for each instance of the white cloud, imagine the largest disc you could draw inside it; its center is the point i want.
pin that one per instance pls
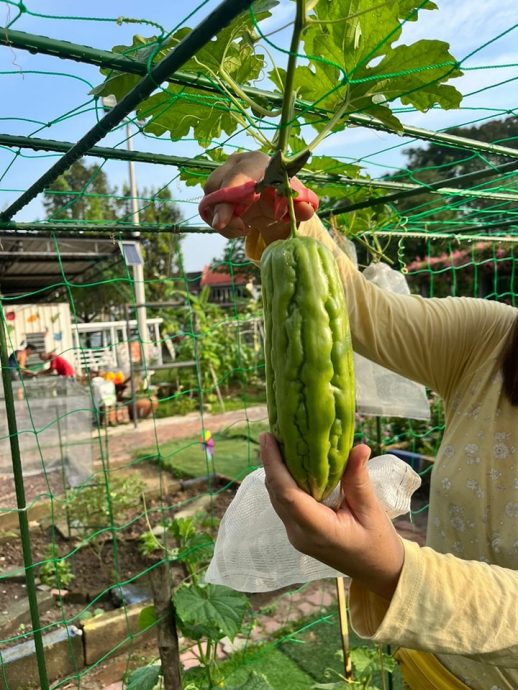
(465, 24)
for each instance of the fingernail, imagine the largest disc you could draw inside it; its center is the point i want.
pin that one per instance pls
(215, 219)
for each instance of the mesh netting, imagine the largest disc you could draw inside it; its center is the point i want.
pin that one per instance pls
(114, 480)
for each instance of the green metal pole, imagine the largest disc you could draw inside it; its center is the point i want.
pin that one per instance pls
(103, 58)
(37, 144)
(22, 506)
(344, 207)
(438, 187)
(65, 228)
(184, 51)
(76, 230)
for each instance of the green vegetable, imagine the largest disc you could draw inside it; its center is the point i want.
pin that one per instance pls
(309, 366)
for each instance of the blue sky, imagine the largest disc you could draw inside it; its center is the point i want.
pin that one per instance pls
(465, 24)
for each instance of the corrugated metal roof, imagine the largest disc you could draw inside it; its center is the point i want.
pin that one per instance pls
(33, 262)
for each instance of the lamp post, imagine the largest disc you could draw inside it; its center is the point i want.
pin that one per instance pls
(138, 266)
(138, 269)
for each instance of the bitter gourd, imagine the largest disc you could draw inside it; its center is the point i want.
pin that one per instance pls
(309, 366)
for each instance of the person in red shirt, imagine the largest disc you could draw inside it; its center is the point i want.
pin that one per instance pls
(58, 365)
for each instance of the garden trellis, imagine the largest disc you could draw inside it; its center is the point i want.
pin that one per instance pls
(448, 221)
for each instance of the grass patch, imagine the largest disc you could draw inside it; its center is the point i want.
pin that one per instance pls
(314, 650)
(235, 453)
(281, 672)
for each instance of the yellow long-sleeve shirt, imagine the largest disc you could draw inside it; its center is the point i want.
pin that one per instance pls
(458, 596)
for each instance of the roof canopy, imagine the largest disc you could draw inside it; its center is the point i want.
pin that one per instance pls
(35, 263)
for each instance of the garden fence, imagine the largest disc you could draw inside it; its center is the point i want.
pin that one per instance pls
(89, 522)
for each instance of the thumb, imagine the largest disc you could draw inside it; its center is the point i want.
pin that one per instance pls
(357, 490)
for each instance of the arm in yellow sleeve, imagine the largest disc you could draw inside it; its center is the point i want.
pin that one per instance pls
(444, 605)
(432, 341)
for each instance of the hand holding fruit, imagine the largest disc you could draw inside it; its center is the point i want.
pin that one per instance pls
(357, 538)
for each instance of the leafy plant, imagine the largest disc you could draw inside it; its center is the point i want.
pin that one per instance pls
(56, 572)
(193, 546)
(145, 678)
(88, 614)
(92, 507)
(207, 613)
(353, 62)
(366, 661)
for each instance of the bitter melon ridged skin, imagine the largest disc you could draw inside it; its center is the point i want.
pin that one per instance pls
(309, 363)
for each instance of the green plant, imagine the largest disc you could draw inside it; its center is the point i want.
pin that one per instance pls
(92, 507)
(206, 614)
(354, 62)
(177, 405)
(56, 572)
(193, 546)
(144, 678)
(366, 661)
(88, 614)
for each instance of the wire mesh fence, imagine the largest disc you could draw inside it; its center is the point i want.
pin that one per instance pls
(114, 481)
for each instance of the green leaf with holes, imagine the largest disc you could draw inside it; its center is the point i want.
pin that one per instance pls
(212, 611)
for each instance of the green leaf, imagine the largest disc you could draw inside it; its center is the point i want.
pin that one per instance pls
(332, 166)
(183, 111)
(352, 65)
(144, 678)
(364, 659)
(255, 681)
(414, 74)
(199, 547)
(117, 83)
(212, 611)
(147, 617)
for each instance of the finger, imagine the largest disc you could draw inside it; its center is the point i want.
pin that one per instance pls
(222, 214)
(277, 473)
(236, 171)
(357, 490)
(303, 211)
(291, 503)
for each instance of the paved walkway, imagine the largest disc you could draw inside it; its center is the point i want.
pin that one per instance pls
(124, 440)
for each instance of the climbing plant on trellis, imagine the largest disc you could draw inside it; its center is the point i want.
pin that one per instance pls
(238, 76)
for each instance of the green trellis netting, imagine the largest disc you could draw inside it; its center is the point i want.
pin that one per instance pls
(110, 504)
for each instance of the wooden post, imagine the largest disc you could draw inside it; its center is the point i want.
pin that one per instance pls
(344, 627)
(167, 634)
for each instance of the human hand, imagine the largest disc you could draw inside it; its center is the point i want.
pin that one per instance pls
(239, 169)
(356, 539)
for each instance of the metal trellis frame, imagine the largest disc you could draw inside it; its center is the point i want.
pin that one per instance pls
(118, 62)
(184, 51)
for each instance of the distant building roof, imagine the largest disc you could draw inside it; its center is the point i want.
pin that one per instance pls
(217, 278)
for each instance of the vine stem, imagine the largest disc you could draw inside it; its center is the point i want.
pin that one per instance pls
(289, 99)
(288, 107)
(291, 206)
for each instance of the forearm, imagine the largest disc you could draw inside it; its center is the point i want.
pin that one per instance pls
(444, 605)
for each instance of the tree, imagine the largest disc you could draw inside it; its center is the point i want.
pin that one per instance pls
(163, 259)
(83, 193)
(430, 212)
(439, 161)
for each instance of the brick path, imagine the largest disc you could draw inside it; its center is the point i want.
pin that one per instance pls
(123, 441)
